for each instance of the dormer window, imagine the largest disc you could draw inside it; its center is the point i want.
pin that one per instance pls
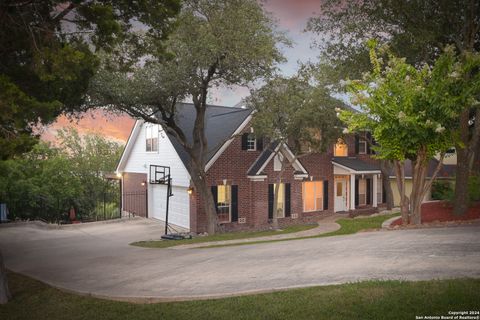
(341, 148)
(151, 138)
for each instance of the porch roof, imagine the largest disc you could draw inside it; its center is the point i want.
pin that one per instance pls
(355, 165)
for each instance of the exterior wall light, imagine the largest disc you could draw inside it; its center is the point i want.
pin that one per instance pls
(119, 174)
(143, 183)
(190, 190)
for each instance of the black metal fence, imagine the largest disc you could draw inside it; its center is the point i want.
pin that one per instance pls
(104, 204)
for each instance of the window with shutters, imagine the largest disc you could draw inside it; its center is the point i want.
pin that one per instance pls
(151, 138)
(341, 148)
(251, 142)
(312, 196)
(379, 190)
(362, 192)
(362, 146)
(280, 200)
(224, 203)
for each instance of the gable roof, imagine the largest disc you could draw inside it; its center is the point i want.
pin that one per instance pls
(220, 124)
(267, 155)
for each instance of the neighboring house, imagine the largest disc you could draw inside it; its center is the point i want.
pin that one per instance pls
(446, 173)
(241, 171)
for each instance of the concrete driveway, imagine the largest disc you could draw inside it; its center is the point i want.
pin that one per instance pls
(97, 260)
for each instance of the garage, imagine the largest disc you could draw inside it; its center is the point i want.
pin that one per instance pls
(179, 206)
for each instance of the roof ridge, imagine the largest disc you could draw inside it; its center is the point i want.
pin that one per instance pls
(228, 113)
(214, 105)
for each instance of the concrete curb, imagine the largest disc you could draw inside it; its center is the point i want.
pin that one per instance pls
(386, 224)
(52, 226)
(321, 229)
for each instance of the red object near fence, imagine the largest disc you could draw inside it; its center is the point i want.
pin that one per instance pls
(442, 211)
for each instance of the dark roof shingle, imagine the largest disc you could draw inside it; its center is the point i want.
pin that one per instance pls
(356, 164)
(220, 124)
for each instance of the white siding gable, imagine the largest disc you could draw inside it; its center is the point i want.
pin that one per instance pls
(139, 160)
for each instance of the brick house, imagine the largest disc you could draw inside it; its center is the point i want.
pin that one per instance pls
(241, 172)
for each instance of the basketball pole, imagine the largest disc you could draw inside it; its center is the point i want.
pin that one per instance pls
(168, 202)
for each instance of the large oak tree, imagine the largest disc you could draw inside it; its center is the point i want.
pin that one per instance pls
(216, 43)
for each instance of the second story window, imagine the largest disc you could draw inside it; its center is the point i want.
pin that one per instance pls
(362, 146)
(251, 142)
(341, 148)
(151, 138)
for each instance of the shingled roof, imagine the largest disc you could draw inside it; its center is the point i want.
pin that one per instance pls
(446, 171)
(220, 124)
(355, 164)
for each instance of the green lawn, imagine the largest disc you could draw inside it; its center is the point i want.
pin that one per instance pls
(347, 226)
(222, 237)
(364, 300)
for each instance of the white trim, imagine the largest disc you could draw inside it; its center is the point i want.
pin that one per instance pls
(300, 176)
(129, 145)
(354, 171)
(268, 160)
(227, 143)
(286, 148)
(426, 178)
(301, 167)
(257, 178)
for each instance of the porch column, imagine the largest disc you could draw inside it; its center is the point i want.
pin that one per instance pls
(352, 191)
(375, 186)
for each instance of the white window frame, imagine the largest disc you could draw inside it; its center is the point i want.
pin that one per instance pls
(315, 184)
(225, 205)
(364, 194)
(379, 190)
(152, 134)
(251, 142)
(360, 143)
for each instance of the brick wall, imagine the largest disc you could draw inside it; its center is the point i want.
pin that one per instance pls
(134, 194)
(233, 165)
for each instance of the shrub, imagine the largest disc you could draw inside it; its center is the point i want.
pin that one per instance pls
(442, 190)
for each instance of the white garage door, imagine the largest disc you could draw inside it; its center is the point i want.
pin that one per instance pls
(179, 207)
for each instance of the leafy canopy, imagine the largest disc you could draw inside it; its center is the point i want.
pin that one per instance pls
(49, 50)
(296, 111)
(47, 181)
(417, 30)
(216, 43)
(408, 107)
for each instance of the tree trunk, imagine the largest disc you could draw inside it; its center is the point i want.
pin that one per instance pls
(400, 178)
(460, 203)
(203, 189)
(275, 203)
(461, 183)
(386, 168)
(4, 291)
(419, 173)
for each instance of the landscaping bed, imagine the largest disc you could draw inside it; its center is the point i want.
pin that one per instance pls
(442, 212)
(223, 237)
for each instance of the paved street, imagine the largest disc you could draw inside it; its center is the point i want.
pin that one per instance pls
(98, 260)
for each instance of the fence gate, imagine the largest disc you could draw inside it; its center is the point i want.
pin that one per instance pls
(135, 203)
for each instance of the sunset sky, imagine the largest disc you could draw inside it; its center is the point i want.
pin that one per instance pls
(291, 17)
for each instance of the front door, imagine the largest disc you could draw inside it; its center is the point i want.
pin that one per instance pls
(340, 194)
